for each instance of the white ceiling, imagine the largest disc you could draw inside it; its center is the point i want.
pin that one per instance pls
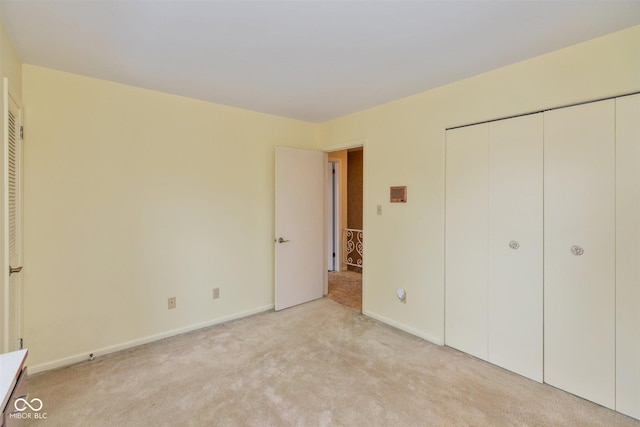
(309, 60)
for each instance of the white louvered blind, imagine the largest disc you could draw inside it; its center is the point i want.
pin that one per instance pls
(13, 185)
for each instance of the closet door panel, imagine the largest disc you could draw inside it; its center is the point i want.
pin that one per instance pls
(579, 290)
(515, 244)
(466, 239)
(628, 255)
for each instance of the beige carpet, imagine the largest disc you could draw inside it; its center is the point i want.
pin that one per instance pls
(346, 288)
(318, 364)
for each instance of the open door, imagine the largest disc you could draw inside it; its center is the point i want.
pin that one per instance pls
(12, 222)
(300, 226)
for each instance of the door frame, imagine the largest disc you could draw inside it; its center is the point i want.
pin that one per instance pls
(334, 198)
(347, 145)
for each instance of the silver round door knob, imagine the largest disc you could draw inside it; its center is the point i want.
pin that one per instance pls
(577, 250)
(514, 244)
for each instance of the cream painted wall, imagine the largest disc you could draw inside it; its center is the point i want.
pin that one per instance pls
(405, 146)
(133, 196)
(11, 68)
(9, 62)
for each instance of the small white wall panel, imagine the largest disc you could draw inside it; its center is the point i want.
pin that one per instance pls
(579, 291)
(515, 274)
(466, 239)
(628, 255)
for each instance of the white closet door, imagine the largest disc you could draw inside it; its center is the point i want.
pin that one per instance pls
(579, 290)
(515, 245)
(628, 255)
(466, 239)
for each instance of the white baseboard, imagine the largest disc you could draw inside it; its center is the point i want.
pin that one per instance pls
(72, 360)
(402, 327)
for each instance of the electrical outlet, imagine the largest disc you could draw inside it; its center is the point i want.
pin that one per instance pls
(216, 293)
(172, 303)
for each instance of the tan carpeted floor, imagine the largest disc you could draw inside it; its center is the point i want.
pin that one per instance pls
(346, 288)
(318, 364)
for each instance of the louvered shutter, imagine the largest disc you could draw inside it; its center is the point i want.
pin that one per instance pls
(13, 185)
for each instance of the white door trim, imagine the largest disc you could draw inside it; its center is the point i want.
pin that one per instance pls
(336, 203)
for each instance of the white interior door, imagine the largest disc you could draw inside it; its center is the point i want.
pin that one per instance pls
(466, 239)
(300, 226)
(579, 250)
(12, 223)
(515, 245)
(628, 255)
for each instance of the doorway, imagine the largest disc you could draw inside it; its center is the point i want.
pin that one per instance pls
(345, 236)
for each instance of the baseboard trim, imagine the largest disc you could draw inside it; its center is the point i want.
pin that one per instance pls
(405, 328)
(72, 360)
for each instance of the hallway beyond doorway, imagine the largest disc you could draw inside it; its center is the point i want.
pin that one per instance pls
(346, 288)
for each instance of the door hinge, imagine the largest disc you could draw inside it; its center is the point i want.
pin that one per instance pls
(334, 254)
(20, 344)
(21, 132)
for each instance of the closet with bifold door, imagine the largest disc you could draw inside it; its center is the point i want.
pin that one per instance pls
(515, 245)
(467, 222)
(628, 255)
(579, 251)
(542, 247)
(494, 243)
